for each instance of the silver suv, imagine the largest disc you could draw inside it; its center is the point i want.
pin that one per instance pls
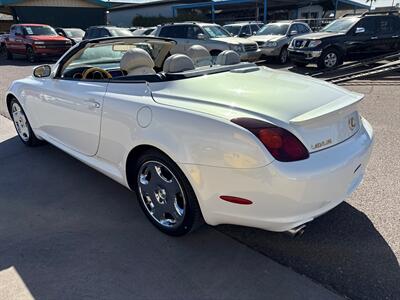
(211, 36)
(274, 38)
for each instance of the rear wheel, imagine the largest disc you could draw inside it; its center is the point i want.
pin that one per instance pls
(165, 194)
(30, 54)
(22, 125)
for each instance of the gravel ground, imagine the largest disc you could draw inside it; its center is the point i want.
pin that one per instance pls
(354, 249)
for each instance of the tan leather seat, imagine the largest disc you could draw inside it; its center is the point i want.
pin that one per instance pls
(137, 61)
(178, 63)
(200, 55)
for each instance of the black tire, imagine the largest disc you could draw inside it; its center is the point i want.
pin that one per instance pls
(300, 64)
(29, 138)
(283, 56)
(30, 54)
(9, 54)
(192, 217)
(329, 59)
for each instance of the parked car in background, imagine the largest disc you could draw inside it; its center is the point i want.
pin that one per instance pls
(211, 36)
(95, 32)
(274, 38)
(74, 34)
(35, 41)
(243, 29)
(348, 38)
(143, 31)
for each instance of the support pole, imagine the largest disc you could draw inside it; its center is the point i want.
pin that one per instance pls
(336, 7)
(213, 11)
(265, 11)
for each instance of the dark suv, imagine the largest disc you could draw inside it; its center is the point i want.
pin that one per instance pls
(348, 38)
(96, 32)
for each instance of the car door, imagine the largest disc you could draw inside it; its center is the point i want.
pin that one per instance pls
(18, 41)
(70, 112)
(177, 33)
(385, 34)
(361, 38)
(11, 39)
(192, 37)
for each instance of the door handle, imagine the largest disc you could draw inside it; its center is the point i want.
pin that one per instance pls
(92, 104)
(395, 36)
(374, 38)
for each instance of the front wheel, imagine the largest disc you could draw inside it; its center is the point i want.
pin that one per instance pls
(30, 54)
(284, 56)
(165, 194)
(22, 125)
(330, 58)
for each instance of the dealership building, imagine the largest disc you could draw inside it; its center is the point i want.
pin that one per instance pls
(57, 13)
(222, 11)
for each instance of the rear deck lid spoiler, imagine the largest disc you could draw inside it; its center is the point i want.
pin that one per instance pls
(326, 109)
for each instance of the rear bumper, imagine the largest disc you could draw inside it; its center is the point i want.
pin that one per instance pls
(250, 56)
(284, 195)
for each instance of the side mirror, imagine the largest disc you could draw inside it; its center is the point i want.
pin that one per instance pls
(293, 32)
(42, 71)
(201, 36)
(360, 30)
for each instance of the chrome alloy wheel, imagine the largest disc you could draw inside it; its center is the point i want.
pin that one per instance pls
(330, 60)
(20, 121)
(161, 194)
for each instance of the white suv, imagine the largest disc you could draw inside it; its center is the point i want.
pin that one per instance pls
(211, 36)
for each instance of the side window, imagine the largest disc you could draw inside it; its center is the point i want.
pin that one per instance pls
(368, 24)
(193, 32)
(254, 28)
(104, 32)
(12, 30)
(294, 27)
(246, 30)
(20, 30)
(302, 28)
(179, 32)
(384, 25)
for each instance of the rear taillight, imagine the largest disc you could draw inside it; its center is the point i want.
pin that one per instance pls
(282, 145)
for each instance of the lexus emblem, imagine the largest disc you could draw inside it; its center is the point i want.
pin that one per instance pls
(352, 123)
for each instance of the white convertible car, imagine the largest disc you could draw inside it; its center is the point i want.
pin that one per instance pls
(198, 138)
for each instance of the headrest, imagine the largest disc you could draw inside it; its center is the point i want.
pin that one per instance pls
(228, 57)
(137, 61)
(178, 63)
(200, 55)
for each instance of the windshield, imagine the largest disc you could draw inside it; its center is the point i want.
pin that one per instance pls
(341, 25)
(74, 33)
(120, 32)
(216, 31)
(274, 29)
(39, 30)
(234, 30)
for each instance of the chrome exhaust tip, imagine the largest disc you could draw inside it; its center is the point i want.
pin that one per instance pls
(296, 231)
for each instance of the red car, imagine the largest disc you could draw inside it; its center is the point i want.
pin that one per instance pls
(35, 41)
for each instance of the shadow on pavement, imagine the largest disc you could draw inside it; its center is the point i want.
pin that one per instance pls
(68, 232)
(341, 249)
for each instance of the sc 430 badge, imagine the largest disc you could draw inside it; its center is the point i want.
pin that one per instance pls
(321, 144)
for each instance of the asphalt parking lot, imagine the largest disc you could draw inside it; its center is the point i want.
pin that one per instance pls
(67, 231)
